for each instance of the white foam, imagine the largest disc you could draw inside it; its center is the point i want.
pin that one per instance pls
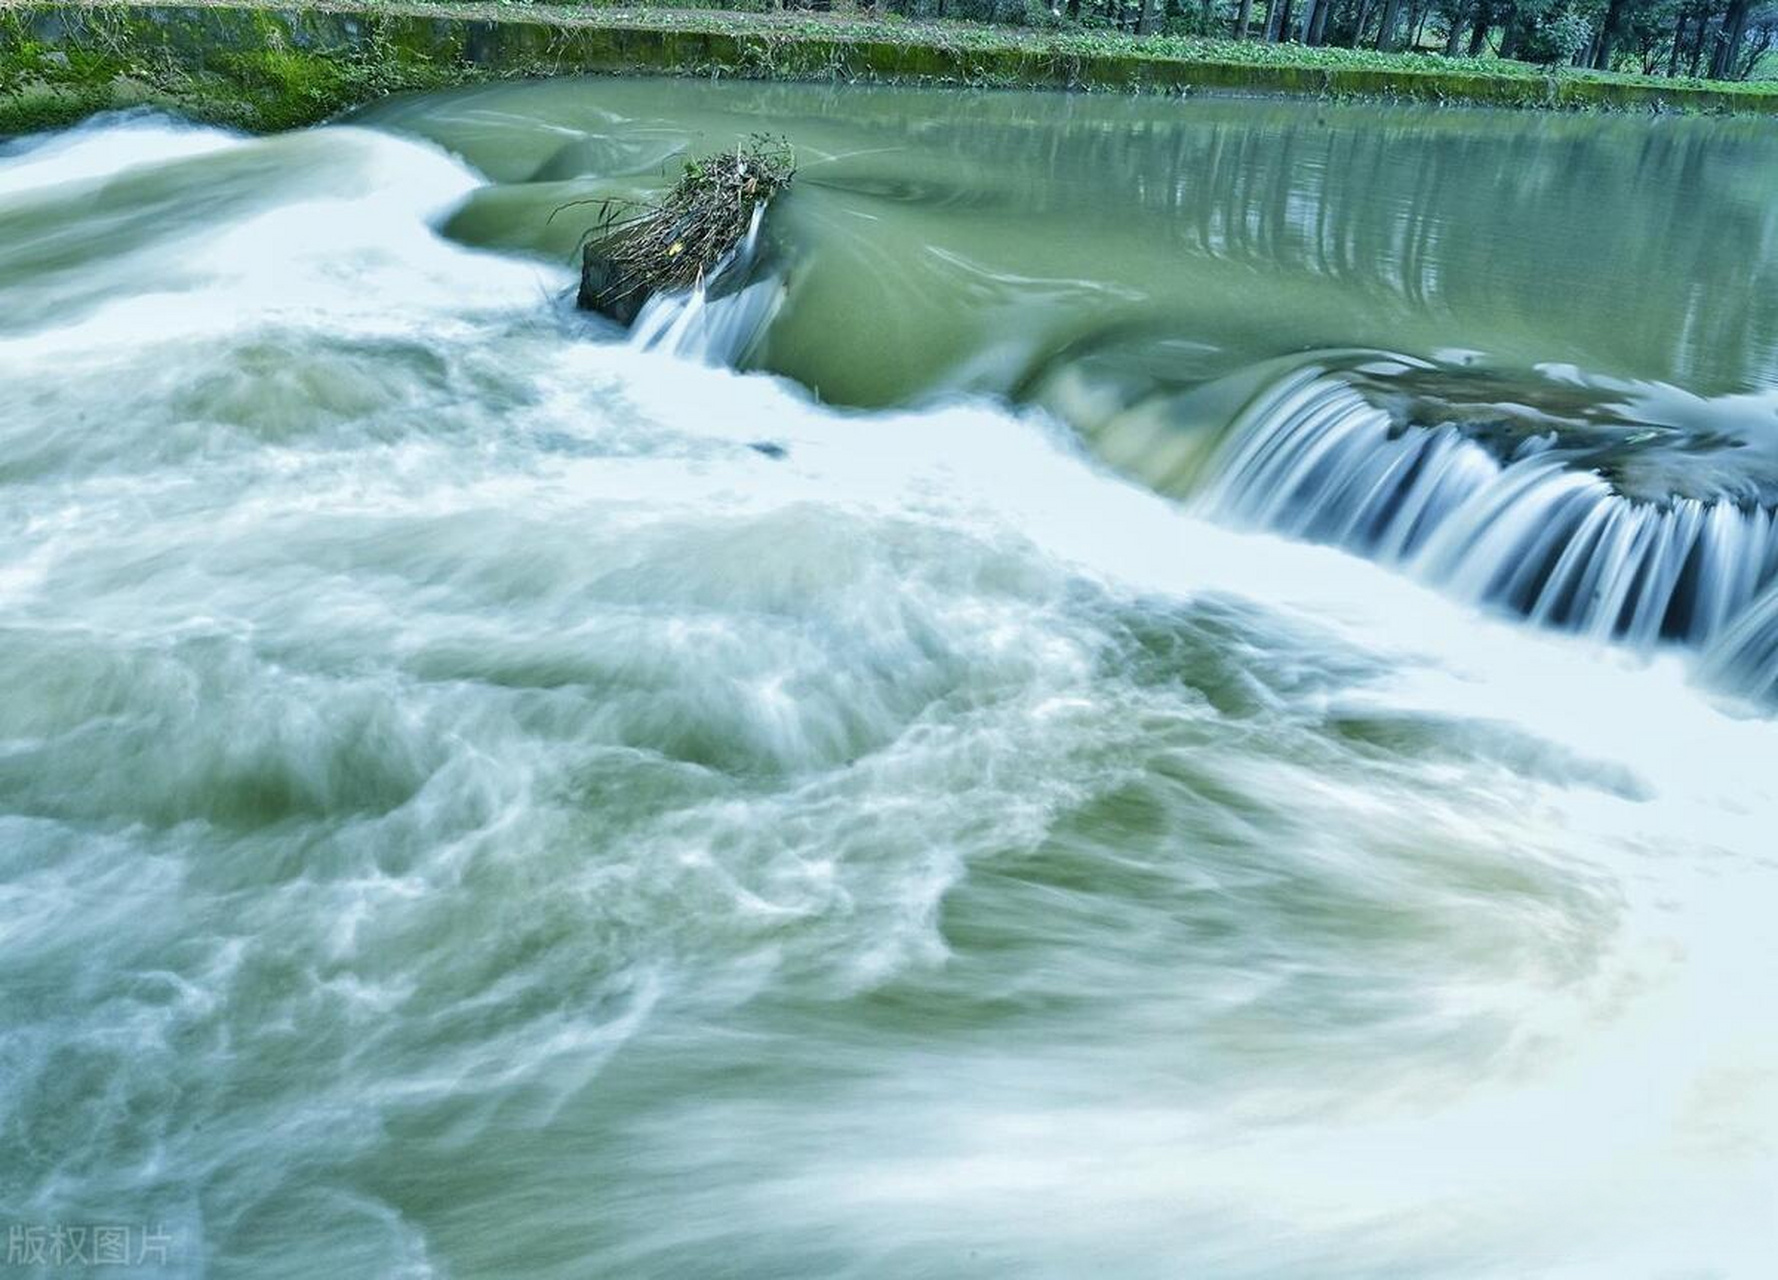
(103, 148)
(395, 694)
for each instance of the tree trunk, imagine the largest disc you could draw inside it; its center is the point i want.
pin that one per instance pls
(1484, 18)
(1242, 17)
(1510, 33)
(1454, 37)
(1678, 43)
(1386, 27)
(1698, 41)
(1728, 40)
(1751, 54)
(1608, 33)
(1278, 22)
(1318, 36)
(1148, 17)
(1364, 16)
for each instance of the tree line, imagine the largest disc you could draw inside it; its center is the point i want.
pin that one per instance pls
(1714, 39)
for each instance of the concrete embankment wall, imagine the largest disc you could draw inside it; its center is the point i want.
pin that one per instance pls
(266, 67)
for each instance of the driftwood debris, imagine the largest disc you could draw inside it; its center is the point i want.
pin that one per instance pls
(684, 240)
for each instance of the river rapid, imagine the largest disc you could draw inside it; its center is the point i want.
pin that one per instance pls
(1175, 690)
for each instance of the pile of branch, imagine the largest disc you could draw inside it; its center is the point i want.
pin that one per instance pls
(637, 251)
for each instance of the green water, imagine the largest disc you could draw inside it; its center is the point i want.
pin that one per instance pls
(955, 241)
(467, 809)
(1130, 263)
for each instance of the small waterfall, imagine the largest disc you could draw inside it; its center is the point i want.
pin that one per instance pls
(715, 330)
(1745, 656)
(1314, 459)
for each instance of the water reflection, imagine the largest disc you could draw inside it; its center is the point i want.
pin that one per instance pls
(951, 239)
(1589, 303)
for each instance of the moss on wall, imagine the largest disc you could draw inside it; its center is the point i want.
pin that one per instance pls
(257, 70)
(263, 67)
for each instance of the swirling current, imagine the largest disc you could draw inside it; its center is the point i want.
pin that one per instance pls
(1237, 749)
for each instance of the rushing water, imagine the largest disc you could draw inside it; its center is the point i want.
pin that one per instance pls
(484, 796)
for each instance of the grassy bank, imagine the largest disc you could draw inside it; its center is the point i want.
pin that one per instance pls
(270, 67)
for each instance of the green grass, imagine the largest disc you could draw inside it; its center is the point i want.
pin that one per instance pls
(108, 64)
(757, 16)
(290, 63)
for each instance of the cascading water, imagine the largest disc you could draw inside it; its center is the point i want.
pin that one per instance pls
(1315, 459)
(466, 810)
(724, 317)
(1745, 656)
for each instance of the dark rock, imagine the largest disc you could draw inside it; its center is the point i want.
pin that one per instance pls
(602, 289)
